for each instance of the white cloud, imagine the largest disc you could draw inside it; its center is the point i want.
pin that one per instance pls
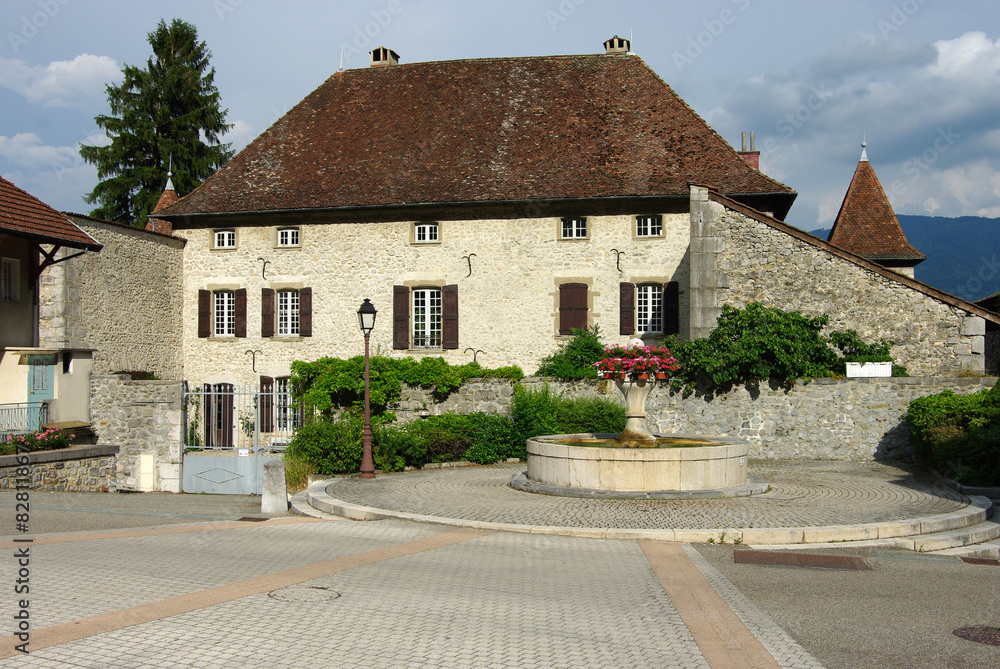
(973, 56)
(241, 134)
(73, 84)
(25, 149)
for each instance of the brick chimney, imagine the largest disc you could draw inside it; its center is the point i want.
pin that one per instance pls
(384, 57)
(751, 157)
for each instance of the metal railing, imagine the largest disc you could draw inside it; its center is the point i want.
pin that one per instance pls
(22, 418)
(227, 417)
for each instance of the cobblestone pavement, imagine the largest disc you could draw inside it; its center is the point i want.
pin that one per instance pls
(803, 493)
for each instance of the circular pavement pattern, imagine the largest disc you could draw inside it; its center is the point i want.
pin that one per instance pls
(803, 494)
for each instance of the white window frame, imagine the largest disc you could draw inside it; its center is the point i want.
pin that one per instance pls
(287, 313)
(426, 233)
(224, 239)
(649, 226)
(286, 418)
(224, 313)
(649, 308)
(289, 237)
(573, 228)
(10, 280)
(427, 317)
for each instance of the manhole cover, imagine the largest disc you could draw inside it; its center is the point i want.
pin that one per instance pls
(304, 593)
(981, 634)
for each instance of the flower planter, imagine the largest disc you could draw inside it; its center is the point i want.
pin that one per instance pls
(868, 369)
(643, 377)
(661, 376)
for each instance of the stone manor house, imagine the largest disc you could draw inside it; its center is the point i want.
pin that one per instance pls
(486, 207)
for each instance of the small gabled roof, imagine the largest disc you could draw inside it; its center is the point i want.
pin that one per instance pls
(481, 131)
(24, 215)
(866, 224)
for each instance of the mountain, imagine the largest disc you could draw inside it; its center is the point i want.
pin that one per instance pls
(963, 254)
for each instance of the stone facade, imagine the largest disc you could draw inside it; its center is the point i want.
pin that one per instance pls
(144, 419)
(123, 303)
(747, 259)
(81, 469)
(508, 306)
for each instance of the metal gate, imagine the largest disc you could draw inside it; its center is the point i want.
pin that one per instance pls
(231, 431)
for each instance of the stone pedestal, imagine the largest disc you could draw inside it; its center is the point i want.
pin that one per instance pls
(636, 431)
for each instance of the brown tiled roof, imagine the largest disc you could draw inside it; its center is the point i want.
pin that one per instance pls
(867, 225)
(474, 131)
(26, 216)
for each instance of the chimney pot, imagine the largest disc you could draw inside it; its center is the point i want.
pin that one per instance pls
(617, 45)
(383, 57)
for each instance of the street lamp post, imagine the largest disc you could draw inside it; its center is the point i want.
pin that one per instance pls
(366, 317)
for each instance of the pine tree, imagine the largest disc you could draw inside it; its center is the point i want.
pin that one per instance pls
(166, 113)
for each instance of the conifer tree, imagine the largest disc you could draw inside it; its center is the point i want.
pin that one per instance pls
(167, 112)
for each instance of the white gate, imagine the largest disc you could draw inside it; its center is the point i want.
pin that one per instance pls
(231, 431)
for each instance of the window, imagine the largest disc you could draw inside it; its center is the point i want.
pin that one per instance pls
(224, 308)
(286, 312)
(648, 226)
(425, 233)
(574, 228)
(222, 313)
(288, 236)
(225, 239)
(10, 280)
(425, 317)
(649, 308)
(572, 307)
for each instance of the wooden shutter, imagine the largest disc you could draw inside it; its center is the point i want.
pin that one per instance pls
(671, 308)
(572, 307)
(204, 313)
(225, 397)
(306, 312)
(207, 417)
(266, 312)
(449, 316)
(241, 312)
(266, 399)
(626, 308)
(400, 317)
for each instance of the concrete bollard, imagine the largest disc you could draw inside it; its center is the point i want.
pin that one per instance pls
(274, 498)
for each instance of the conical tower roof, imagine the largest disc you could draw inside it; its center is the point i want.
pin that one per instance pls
(867, 225)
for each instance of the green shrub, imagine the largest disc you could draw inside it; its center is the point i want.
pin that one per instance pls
(297, 471)
(333, 446)
(494, 440)
(575, 359)
(588, 414)
(533, 412)
(959, 435)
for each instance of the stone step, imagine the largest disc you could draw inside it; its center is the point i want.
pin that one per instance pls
(987, 530)
(986, 549)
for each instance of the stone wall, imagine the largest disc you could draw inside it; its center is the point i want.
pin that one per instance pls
(142, 418)
(80, 469)
(508, 304)
(839, 419)
(755, 261)
(123, 303)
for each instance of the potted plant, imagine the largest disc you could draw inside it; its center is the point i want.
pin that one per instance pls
(636, 363)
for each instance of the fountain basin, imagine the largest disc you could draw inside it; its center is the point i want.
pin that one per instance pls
(678, 463)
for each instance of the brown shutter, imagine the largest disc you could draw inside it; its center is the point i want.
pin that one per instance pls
(208, 405)
(266, 399)
(266, 312)
(400, 317)
(306, 312)
(449, 316)
(226, 396)
(572, 307)
(241, 312)
(204, 313)
(626, 308)
(671, 308)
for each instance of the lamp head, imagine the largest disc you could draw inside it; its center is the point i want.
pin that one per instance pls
(366, 316)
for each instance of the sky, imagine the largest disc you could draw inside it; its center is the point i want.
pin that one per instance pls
(919, 80)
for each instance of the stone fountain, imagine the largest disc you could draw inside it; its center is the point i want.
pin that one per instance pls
(636, 462)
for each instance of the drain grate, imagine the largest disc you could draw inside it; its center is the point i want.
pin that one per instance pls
(252, 519)
(799, 560)
(980, 634)
(975, 560)
(304, 593)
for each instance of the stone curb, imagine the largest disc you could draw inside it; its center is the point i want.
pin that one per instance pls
(884, 534)
(60, 455)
